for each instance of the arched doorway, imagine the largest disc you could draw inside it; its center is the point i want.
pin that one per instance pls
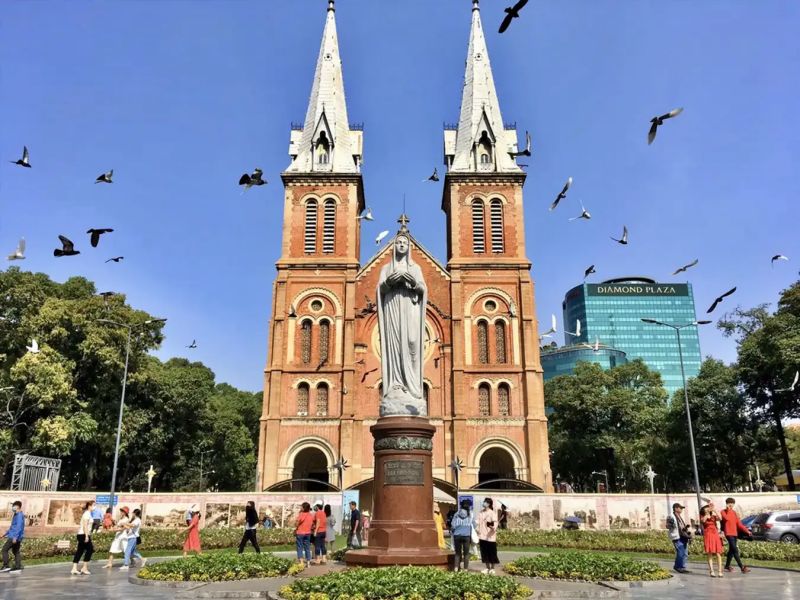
(310, 466)
(496, 463)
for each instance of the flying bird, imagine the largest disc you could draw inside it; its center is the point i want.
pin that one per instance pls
(553, 327)
(689, 266)
(116, 259)
(19, 253)
(380, 237)
(624, 239)
(596, 344)
(254, 178)
(292, 311)
(512, 12)
(720, 299)
(34, 347)
(589, 271)
(96, 233)
(193, 344)
(577, 332)
(794, 383)
(527, 151)
(67, 247)
(657, 121)
(105, 177)
(778, 257)
(584, 214)
(25, 160)
(562, 194)
(434, 176)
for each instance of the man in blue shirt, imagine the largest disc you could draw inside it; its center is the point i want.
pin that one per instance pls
(97, 517)
(14, 534)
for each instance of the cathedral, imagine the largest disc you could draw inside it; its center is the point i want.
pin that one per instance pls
(482, 374)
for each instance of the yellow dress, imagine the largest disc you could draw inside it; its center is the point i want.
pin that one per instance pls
(437, 518)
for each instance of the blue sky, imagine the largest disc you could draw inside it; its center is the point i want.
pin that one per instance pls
(180, 98)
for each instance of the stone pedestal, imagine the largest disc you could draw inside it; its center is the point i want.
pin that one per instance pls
(402, 530)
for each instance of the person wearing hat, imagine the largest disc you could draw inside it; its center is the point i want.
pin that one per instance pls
(681, 535)
(319, 531)
(121, 538)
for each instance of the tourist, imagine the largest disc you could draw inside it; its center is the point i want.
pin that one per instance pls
(192, 543)
(437, 519)
(108, 520)
(712, 538)
(120, 539)
(330, 532)
(355, 526)
(487, 536)
(250, 527)
(97, 518)
(268, 523)
(134, 539)
(85, 547)
(365, 521)
(502, 517)
(681, 535)
(320, 533)
(461, 531)
(731, 526)
(187, 516)
(14, 534)
(302, 534)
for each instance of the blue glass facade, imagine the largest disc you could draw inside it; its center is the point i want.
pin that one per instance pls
(562, 361)
(612, 311)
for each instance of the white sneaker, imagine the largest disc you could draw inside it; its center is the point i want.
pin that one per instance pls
(491, 571)
(123, 568)
(485, 571)
(5, 569)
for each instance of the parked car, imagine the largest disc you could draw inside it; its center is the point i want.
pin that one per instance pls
(747, 522)
(777, 526)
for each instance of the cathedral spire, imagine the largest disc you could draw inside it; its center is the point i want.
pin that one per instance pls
(326, 143)
(480, 143)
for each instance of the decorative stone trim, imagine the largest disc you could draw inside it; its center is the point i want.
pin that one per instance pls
(497, 421)
(403, 442)
(303, 421)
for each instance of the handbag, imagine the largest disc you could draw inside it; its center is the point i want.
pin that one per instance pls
(473, 535)
(138, 540)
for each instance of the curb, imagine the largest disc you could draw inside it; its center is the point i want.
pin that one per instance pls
(178, 585)
(616, 585)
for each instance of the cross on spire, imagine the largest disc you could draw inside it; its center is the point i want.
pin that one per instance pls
(404, 221)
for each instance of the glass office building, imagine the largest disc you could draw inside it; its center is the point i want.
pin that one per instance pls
(562, 361)
(612, 311)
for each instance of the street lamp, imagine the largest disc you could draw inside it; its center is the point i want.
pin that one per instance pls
(603, 472)
(130, 329)
(677, 329)
(202, 454)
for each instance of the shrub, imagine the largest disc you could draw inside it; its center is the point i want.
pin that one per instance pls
(404, 583)
(337, 555)
(586, 567)
(223, 566)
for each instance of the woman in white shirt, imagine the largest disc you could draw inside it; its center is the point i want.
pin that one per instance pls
(85, 547)
(134, 527)
(121, 539)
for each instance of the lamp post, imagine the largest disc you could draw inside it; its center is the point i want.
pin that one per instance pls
(603, 472)
(150, 474)
(202, 454)
(677, 329)
(651, 475)
(130, 329)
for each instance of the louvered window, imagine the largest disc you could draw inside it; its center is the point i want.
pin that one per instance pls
(310, 240)
(305, 341)
(322, 400)
(503, 404)
(496, 216)
(478, 232)
(324, 341)
(484, 400)
(500, 341)
(329, 226)
(302, 399)
(483, 342)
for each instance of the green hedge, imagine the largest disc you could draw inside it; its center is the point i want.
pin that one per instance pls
(404, 583)
(223, 566)
(655, 542)
(156, 539)
(586, 566)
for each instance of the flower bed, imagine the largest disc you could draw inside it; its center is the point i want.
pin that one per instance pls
(585, 566)
(224, 566)
(404, 583)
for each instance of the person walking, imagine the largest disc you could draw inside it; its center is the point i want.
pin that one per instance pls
(330, 531)
(134, 539)
(97, 518)
(320, 533)
(502, 517)
(108, 520)
(120, 539)
(461, 531)
(355, 526)
(192, 543)
(250, 528)
(302, 534)
(268, 523)
(14, 534)
(712, 538)
(439, 521)
(731, 526)
(487, 536)
(85, 546)
(681, 535)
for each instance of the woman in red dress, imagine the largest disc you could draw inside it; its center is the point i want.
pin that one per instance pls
(712, 539)
(192, 543)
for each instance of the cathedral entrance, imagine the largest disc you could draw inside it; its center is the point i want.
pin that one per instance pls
(310, 471)
(496, 463)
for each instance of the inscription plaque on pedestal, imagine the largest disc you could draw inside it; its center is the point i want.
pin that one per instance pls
(403, 472)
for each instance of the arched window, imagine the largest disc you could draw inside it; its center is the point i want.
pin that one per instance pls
(310, 239)
(484, 400)
(485, 158)
(496, 220)
(485, 150)
(329, 226)
(324, 341)
(500, 342)
(302, 399)
(503, 403)
(322, 400)
(323, 155)
(478, 229)
(305, 341)
(483, 342)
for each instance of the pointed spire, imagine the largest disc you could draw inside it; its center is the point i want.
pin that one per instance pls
(481, 143)
(326, 143)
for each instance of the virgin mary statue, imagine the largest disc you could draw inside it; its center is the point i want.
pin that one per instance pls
(402, 297)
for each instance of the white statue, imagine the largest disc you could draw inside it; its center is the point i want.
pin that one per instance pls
(402, 298)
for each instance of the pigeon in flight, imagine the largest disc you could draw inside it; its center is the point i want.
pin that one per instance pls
(67, 248)
(596, 344)
(193, 344)
(589, 271)
(116, 259)
(794, 383)
(527, 151)
(96, 233)
(562, 194)
(553, 327)
(577, 332)
(512, 12)
(25, 160)
(254, 178)
(689, 266)
(778, 257)
(624, 239)
(105, 177)
(584, 214)
(434, 176)
(19, 253)
(34, 347)
(720, 299)
(367, 216)
(656, 121)
(380, 237)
